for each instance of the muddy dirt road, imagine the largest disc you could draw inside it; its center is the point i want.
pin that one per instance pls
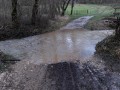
(60, 60)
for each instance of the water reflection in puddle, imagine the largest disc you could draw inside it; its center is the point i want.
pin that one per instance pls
(55, 47)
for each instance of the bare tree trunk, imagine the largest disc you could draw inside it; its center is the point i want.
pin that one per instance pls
(117, 31)
(72, 6)
(14, 14)
(34, 12)
(63, 13)
(58, 9)
(52, 9)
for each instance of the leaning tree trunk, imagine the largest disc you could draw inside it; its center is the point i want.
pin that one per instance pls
(14, 14)
(34, 12)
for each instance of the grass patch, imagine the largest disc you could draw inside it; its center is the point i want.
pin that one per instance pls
(98, 11)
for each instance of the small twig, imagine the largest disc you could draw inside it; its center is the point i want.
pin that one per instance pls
(12, 60)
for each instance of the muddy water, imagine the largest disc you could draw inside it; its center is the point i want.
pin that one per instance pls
(55, 47)
(71, 42)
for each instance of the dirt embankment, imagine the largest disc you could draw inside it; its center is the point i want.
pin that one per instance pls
(98, 25)
(109, 50)
(109, 45)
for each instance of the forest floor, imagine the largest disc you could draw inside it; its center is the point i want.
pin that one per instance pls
(60, 60)
(7, 32)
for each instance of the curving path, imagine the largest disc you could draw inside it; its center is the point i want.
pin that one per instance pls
(60, 60)
(77, 23)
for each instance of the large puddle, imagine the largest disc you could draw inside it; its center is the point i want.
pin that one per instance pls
(66, 44)
(55, 47)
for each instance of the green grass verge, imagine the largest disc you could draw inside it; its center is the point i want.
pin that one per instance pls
(98, 11)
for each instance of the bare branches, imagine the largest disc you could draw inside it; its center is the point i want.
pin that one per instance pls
(65, 4)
